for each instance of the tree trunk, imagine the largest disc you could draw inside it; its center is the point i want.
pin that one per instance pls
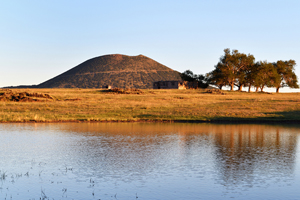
(220, 87)
(240, 88)
(256, 89)
(249, 90)
(262, 88)
(277, 89)
(231, 87)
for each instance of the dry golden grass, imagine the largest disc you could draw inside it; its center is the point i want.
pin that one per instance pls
(153, 105)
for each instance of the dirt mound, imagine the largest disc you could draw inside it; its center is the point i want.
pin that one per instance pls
(9, 95)
(117, 70)
(124, 91)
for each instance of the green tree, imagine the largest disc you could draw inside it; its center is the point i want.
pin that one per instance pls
(286, 75)
(188, 75)
(250, 75)
(265, 75)
(233, 66)
(201, 80)
(217, 78)
(241, 79)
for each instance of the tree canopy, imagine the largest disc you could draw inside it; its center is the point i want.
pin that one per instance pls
(285, 74)
(241, 70)
(188, 75)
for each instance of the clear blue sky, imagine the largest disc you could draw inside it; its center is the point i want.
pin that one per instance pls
(41, 39)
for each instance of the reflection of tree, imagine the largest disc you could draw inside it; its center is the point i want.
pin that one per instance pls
(248, 154)
(239, 154)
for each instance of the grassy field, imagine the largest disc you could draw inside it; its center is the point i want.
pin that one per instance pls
(152, 105)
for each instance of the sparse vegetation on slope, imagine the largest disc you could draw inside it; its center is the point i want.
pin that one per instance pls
(116, 70)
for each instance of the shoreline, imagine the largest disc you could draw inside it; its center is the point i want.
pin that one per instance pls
(244, 121)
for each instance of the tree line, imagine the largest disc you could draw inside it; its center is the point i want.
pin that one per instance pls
(241, 70)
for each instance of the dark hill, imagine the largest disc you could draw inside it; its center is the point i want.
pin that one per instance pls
(116, 70)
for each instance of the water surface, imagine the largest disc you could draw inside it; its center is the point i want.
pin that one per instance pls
(149, 161)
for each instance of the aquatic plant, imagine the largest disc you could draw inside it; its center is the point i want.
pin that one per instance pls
(43, 195)
(3, 175)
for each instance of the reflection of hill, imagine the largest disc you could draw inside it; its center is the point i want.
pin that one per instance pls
(237, 153)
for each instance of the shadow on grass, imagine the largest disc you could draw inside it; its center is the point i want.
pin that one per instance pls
(121, 91)
(146, 116)
(274, 117)
(288, 117)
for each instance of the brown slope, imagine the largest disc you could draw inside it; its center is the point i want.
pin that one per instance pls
(116, 70)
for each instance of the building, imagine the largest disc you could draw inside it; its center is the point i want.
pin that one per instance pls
(175, 85)
(169, 85)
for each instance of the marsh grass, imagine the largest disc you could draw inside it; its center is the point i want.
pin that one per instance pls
(3, 175)
(153, 105)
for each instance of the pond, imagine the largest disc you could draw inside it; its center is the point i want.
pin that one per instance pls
(149, 161)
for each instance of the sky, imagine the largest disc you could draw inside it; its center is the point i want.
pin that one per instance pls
(42, 39)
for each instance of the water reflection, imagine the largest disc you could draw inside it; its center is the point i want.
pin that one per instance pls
(236, 152)
(243, 151)
(177, 161)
